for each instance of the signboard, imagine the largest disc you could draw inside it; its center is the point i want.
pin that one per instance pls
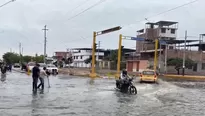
(162, 42)
(137, 39)
(110, 30)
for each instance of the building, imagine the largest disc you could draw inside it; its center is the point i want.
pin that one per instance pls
(162, 30)
(144, 55)
(79, 56)
(59, 55)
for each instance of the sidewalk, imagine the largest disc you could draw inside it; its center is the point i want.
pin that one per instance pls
(189, 77)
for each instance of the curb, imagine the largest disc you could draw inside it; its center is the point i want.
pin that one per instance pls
(192, 77)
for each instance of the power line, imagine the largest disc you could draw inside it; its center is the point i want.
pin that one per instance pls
(7, 3)
(78, 6)
(137, 21)
(101, 1)
(173, 8)
(146, 18)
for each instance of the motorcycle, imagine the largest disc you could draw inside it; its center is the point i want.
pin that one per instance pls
(126, 86)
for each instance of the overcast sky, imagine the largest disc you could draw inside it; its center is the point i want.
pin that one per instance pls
(23, 20)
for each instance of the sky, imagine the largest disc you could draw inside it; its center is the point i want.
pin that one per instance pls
(22, 22)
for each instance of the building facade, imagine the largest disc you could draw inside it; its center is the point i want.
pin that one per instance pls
(79, 56)
(144, 55)
(60, 55)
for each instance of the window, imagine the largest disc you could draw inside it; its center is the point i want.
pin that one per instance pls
(171, 47)
(163, 30)
(148, 73)
(203, 66)
(100, 57)
(73, 57)
(173, 31)
(76, 57)
(81, 57)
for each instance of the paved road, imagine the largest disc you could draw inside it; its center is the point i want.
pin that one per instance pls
(70, 96)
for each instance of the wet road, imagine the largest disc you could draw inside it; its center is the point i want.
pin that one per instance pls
(70, 96)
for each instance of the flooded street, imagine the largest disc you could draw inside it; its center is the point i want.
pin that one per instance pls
(73, 96)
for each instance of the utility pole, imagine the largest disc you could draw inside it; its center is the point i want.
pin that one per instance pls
(20, 52)
(183, 70)
(45, 41)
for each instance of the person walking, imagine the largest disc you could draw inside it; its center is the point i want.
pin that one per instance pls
(42, 76)
(3, 72)
(35, 75)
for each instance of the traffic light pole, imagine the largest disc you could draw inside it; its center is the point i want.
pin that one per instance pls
(155, 54)
(95, 34)
(119, 57)
(93, 73)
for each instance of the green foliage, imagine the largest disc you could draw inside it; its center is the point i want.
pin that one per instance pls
(27, 58)
(68, 60)
(178, 62)
(88, 60)
(114, 55)
(11, 58)
(39, 59)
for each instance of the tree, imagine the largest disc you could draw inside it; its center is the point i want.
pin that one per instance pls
(11, 58)
(178, 62)
(39, 59)
(27, 58)
(88, 60)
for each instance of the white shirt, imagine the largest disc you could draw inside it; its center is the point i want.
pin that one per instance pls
(43, 74)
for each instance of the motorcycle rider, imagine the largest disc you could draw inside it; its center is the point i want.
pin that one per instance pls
(123, 78)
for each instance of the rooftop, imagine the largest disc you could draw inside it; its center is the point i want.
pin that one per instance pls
(166, 23)
(177, 41)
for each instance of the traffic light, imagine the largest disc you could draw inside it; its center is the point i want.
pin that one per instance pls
(122, 47)
(95, 46)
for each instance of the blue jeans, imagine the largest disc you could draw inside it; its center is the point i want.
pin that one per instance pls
(41, 84)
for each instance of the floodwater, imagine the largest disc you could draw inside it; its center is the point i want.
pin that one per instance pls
(75, 96)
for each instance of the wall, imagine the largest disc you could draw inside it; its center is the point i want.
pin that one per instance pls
(194, 55)
(168, 33)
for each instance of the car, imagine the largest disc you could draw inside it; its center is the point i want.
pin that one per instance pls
(148, 76)
(52, 69)
(16, 65)
(30, 66)
(42, 65)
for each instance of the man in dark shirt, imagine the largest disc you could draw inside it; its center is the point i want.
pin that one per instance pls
(35, 75)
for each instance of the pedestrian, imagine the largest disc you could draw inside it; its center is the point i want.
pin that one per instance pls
(42, 76)
(48, 74)
(3, 72)
(35, 75)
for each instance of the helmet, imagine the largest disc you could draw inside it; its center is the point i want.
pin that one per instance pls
(124, 72)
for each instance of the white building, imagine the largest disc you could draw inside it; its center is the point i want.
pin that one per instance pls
(81, 54)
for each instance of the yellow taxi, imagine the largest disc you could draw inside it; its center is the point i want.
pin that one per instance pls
(148, 76)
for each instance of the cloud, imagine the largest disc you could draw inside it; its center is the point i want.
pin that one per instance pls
(23, 20)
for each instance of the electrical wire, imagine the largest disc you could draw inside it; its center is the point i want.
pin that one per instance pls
(7, 3)
(177, 7)
(94, 5)
(145, 19)
(78, 6)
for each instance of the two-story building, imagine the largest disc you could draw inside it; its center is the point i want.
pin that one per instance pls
(79, 56)
(59, 55)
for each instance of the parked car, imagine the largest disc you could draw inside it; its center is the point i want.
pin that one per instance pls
(52, 69)
(42, 65)
(16, 65)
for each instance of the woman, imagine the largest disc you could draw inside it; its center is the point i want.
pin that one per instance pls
(42, 76)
